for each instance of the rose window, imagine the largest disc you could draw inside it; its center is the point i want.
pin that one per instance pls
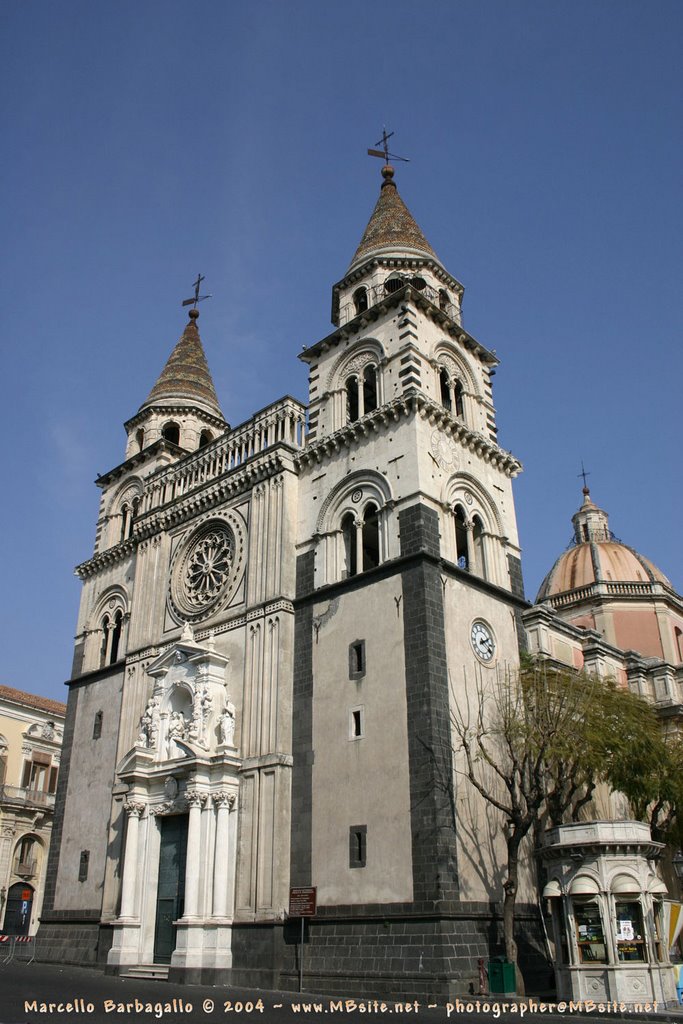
(205, 570)
(208, 567)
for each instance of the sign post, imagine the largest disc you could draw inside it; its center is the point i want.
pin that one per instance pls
(302, 901)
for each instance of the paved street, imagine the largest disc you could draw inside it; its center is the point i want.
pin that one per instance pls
(40, 993)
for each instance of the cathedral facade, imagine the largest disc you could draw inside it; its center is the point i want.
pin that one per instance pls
(276, 623)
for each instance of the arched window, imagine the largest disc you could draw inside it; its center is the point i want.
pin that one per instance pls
(126, 521)
(461, 546)
(360, 300)
(457, 398)
(116, 637)
(205, 437)
(361, 540)
(26, 857)
(140, 439)
(104, 646)
(451, 392)
(392, 284)
(112, 628)
(444, 299)
(370, 535)
(171, 432)
(369, 388)
(479, 547)
(352, 403)
(445, 388)
(362, 392)
(348, 525)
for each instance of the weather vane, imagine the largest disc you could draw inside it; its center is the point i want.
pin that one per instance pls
(584, 474)
(384, 153)
(197, 297)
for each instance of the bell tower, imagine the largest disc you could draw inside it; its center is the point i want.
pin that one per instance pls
(182, 407)
(409, 592)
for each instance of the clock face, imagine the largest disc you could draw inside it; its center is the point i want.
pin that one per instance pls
(443, 451)
(482, 640)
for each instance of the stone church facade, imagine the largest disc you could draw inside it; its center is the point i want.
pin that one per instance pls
(276, 623)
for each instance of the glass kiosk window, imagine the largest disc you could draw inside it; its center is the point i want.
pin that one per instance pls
(630, 932)
(591, 938)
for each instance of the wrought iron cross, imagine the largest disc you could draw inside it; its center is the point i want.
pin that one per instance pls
(384, 153)
(197, 297)
(584, 474)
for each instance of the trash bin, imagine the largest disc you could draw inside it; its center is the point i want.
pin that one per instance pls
(501, 977)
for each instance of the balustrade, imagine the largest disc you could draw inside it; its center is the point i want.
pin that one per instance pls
(280, 423)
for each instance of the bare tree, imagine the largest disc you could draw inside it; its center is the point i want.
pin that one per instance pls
(536, 744)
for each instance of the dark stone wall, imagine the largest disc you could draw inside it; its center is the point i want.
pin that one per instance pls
(435, 871)
(69, 937)
(302, 726)
(375, 951)
(60, 800)
(517, 588)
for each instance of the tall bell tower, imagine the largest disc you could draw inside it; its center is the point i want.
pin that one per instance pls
(409, 593)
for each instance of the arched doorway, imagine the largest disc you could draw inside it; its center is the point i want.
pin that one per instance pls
(18, 912)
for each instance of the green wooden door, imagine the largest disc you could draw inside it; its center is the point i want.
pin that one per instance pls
(171, 886)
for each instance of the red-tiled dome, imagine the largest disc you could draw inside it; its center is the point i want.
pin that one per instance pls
(597, 557)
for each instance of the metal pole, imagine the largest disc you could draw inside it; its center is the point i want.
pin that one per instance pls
(301, 959)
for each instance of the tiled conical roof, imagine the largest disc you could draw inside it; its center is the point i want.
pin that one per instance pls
(186, 378)
(391, 225)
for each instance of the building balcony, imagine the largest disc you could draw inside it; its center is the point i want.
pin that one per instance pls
(20, 797)
(25, 868)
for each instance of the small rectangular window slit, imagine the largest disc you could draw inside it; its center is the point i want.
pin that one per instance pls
(356, 723)
(358, 846)
(357, 659)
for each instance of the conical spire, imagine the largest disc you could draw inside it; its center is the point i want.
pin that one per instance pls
(391, 226)
(186, 378)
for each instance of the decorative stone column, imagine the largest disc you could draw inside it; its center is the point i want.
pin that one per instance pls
(130, 868)
(224, 802)
(196, 800)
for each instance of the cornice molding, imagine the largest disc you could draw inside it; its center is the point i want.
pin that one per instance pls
(413, 402)
(390, 301)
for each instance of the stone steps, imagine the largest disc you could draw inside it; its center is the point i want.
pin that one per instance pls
(158, 972)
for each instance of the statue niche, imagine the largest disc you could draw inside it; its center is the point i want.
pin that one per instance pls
(189, 713)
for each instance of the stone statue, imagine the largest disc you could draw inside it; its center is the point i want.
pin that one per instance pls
(149, 721)
(228, 725)
(176, 731)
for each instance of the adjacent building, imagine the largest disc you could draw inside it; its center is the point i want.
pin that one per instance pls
(31, 731)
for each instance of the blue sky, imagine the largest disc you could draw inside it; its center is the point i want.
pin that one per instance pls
(147, 141)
